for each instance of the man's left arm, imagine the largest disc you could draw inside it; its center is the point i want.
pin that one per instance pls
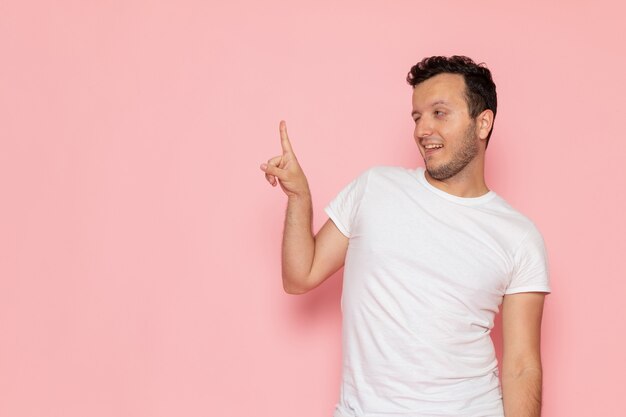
(521, 358)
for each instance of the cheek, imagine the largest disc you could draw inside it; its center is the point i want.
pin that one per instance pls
(415, 131)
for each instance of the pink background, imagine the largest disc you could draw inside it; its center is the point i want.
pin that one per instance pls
(140, 243)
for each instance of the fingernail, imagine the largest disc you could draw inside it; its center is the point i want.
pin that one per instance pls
(263, 166)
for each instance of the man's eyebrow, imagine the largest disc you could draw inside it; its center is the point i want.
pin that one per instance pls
(433, 104)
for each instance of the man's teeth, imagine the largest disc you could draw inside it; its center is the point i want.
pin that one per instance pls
(433, 146)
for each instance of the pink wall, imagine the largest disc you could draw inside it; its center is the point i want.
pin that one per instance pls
(139, 241)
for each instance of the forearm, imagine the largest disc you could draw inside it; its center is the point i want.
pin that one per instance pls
(298, 243)
(521, 393)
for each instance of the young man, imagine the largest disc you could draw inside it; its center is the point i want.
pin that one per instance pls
(430, 254)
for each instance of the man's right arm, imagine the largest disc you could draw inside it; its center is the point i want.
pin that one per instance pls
(307, 260)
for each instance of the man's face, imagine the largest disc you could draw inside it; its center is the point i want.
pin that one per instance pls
(444, 132)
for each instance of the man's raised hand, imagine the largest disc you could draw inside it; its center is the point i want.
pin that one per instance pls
(285, 169)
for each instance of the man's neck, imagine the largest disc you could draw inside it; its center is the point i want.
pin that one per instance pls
(468, 183)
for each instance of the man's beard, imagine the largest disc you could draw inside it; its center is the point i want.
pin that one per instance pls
(460, 159)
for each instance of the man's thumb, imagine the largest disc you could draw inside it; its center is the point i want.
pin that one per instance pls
(272, 170)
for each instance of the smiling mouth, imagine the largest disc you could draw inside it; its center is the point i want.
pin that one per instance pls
(431, 149)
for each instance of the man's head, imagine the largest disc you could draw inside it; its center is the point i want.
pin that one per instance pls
(453, 108)
(480, 90)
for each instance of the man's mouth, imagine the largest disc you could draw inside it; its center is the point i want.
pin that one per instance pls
(432, 148)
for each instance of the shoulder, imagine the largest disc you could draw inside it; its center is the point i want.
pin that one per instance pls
(511, 225)
(386, 171)
(513, 215)
(379, 178)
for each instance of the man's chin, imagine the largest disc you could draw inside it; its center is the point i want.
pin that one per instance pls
(440, 175)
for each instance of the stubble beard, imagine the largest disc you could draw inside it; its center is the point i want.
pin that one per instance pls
(460, 159)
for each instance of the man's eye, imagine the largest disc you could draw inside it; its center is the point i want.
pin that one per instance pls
(439, 113)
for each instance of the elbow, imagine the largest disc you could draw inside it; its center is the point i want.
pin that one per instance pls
(295, 289)
(518, 369)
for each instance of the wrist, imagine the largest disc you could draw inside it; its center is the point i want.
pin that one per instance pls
(304, 196)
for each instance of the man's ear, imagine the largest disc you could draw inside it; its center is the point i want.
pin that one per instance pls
(484, 122)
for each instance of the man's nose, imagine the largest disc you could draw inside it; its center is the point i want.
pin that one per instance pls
(423, 128)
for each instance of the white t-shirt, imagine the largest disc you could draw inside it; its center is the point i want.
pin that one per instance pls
(425, 273)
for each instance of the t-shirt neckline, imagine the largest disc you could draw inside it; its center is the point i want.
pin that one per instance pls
(420, 173)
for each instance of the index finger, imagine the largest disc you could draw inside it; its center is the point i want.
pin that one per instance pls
(284, 139)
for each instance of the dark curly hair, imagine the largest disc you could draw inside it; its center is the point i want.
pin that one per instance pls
(480, 90)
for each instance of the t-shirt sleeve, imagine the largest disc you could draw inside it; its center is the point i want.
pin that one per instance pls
(530, 266)
(343, 209)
